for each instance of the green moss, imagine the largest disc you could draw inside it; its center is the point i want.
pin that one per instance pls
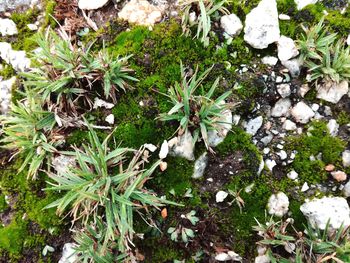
(7, 71)
(343, 118)
(13, 236)
(318, 141)
(49, 10)
(3, 204)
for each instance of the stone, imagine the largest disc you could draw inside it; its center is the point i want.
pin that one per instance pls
(262, 25)
(62, 163)
(7, 27)
(303, 89)
(267, 139)
(164, 150)
(284, 90)
(315, 107)
(331, 91)
(91, 5)
(333, 127)
(305, 187)
(224, 125)
(32, 27)
(200, 165)
(68, 254)
(151, 147)
(329, 168)
(269, 60)
(5, 94)
(282, 154)
(278, 204)
(293, 175)
(17, 59)
(270, 164)
(302, 3)
(302, 113)
(348, 40)
(262, 259)
(284, 17)
(281, 108)
(346, 189)
(230, 255)
(141, 12)
(286, 48)
(253, 125)
(220, 196)
(339, 176)
(6, 5)
(231, 24)
(289, 125)
(98, 103)
(110, 119)
(333, 209)
(346, 158)
(293, 66)
(163, 166)
(182, 146)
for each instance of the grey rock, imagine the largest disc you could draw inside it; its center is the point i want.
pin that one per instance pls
(286, 48)
(284, 90)
(281, 108)
(302, 113)
(346, 158)
(5, 94)
(7, 27)
(293, 66)
(333, 127)
(267, 139)
(289, 125)
(200, 165)
(17, 59)
(346, 189)
(215, 137)
(6, 5)
(91, 5)
(269, 60)
(253, 125)
(182, 146)
(332, 92)
(231, 24)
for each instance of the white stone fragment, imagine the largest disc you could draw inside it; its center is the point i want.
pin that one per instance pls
(98, 103)
(282, 154)
(302, 113)
(5, 94)
(333, 127)
(262, 259)
(346, 189)
(110, 119)
(302, 3)
(270, 164)
(91, 5)
(62, 163)
(281, 108)
(224, 125)
(332, 92)
(261, 25)
(32, 27)
(220, 196)
(164, 150)
(346, 158)
(7, 27)
(253, 125)
(284, 90)
(293, 66)
(278, 204)
(289, 125)
(284, 17)
(305, 187)
(293, 175)
(182, 146)
(348, 40)
(269, 60)
(334, 210)
(68, 254)
(200, 165)
(17, 59)
(151, 147)
(231, 24)
(286, 48)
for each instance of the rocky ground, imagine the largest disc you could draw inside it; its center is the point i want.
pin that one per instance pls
(284, 152)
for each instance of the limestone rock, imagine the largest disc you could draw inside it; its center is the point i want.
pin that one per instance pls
(278, 204)
(141, 12)
(5, 94)
(91, 5)
(346, 158)
(293, 66)
(17, 59)
(302, 113)
(215, 137)
(334, 209)
(289, 125)
(68, 254)
(200, 165)
(346, 189)
(333, 127)
(339, 176)
(261, 25)
(182, 146)
(220, 196)
(332, 92)
(284, 90)
(281, 108)
(6, 5)
(286, 48)
(7, 27)
(253, 125)
(231, 24)
(164, 150)
(62, 163)
(269, 60)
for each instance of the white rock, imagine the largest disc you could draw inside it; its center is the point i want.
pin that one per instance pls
(141, 12)
(110, 119)
(182, 146)
(261, 166)
(68, 254)
(293, 66)
(220, 196)
(284, 17)
(289, 125)
(278, 204)
(253, 125)
(346, 189)
(17, 59)
(32, 27)
(279, 79)
(334, 209)
(286, 48)
(281, 108)
(293, 175)
(231, 24)
(62, 163)
(348, 40)
(346, 158)
(270, 164)
(200, 165)
(261, 25)
(284, 90)
(5, 94)
(230, 255)
(282, 154)
(302, 3)
(98, 103)
(151, 147)
(91, 5)
(262, 259)
(164, 150)
(215, 137)
(332, 91)
(333, 127)
(236, 119)
(315, 107)
(302, 113)
(303, 89)
(7, 27)
(339, 176)
(269, 60)
(267, 139)
(305, 187)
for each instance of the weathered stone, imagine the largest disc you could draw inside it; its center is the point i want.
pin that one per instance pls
(302, 113)
(281, 108)
(332, 92)
(286, 48)
(231, 24)
(7, 27)
(302, 3)
(253, 125)
(278, 204)
(200, 165)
